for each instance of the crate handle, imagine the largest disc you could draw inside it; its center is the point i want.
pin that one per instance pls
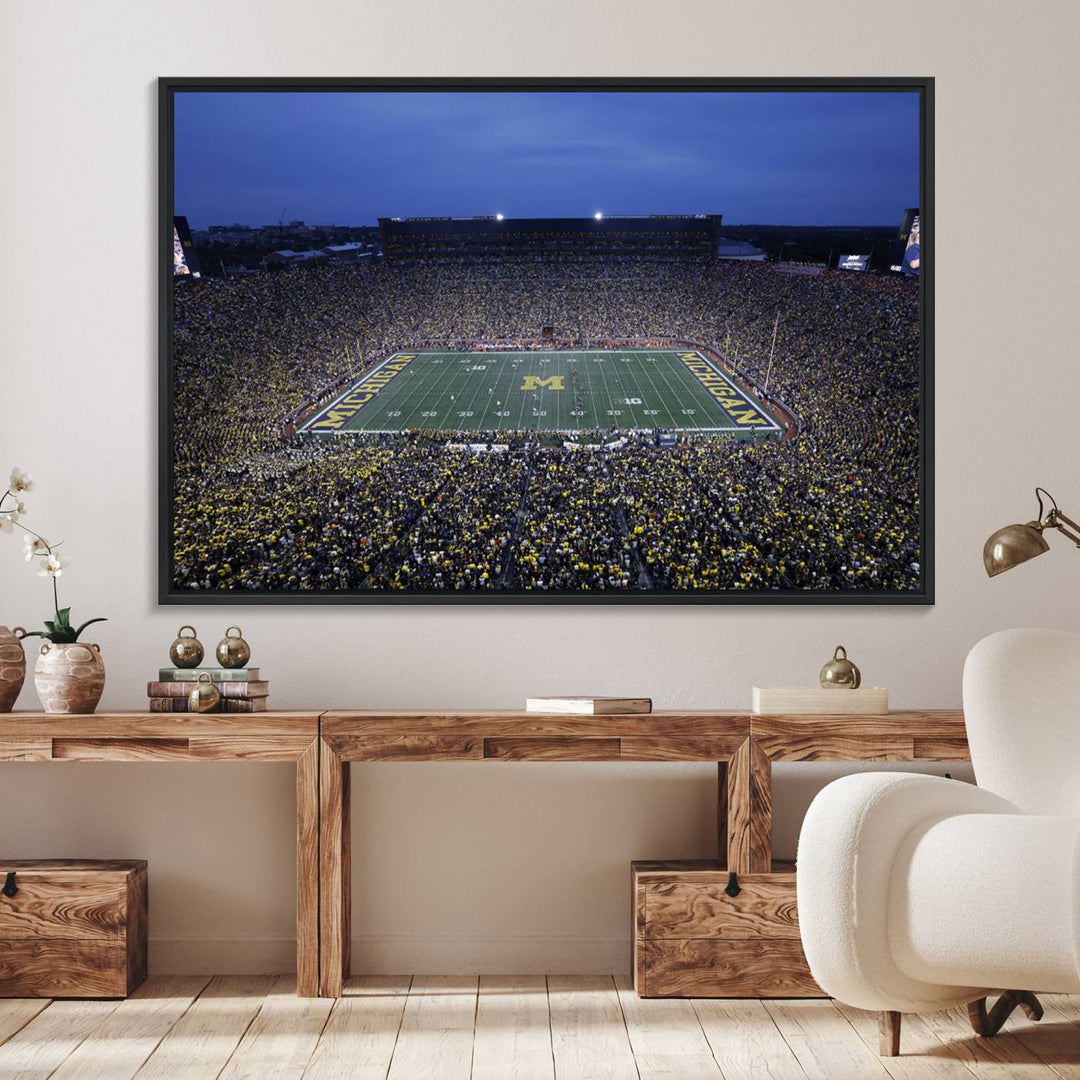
(9, 884)
(732, 887)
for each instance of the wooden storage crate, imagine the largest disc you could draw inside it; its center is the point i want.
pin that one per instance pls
(72, 928)
(691, 939)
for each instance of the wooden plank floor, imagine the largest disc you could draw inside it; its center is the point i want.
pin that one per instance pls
(524, 1027)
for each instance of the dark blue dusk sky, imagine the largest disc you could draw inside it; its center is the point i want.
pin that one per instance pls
(348, 158)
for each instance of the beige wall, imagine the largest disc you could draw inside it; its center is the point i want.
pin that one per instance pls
(495, 867)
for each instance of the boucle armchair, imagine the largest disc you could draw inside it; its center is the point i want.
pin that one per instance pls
(919, 893)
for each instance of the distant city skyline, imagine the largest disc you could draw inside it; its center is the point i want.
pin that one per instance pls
(348, 158)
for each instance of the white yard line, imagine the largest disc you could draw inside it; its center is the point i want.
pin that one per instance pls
(466, 422)
(521, 411)
(607, 390)
(594, 397)
(676, 393)
(662, 401)
(447, 406)
(437, 391)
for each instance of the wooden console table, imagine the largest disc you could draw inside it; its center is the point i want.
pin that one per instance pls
(902, 735)
(322, 745)
(269, 736)
(742, 744)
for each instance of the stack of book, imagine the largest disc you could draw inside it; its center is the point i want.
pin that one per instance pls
(241, 689)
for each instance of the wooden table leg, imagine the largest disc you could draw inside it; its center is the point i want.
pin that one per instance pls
(760, 810)
(307, 872)
(749, 810)
(722, 813)
(334, 872)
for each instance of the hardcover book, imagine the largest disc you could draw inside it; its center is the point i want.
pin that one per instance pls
(247, 705)
(226, 689)
(588, 706)
(228, 705)
(191, 674)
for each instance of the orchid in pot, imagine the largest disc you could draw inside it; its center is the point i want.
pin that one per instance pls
(69, 675)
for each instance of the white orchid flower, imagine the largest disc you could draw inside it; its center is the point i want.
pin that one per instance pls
(34, 545)
(7, 520)
(20, 481)
(53, 566)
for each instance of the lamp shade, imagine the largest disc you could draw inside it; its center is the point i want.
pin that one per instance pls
(1012, 545)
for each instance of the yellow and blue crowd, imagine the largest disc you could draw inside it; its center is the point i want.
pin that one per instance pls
(835, 508)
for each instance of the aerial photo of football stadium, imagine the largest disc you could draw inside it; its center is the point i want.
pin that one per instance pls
(541, 348)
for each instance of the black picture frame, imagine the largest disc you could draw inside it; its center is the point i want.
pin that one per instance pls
(169, 595)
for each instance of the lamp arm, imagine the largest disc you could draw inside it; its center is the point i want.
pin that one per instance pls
(1055, 519)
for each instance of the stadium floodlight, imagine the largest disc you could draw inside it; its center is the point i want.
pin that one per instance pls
(598, 216)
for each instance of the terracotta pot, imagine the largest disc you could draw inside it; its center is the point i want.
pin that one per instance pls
(69, 678)
(12, 666)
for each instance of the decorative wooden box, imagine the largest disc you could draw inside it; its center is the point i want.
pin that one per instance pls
(817, 701)
(72, 928)
(693, 939)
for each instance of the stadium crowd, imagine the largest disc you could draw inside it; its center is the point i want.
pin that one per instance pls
(836, 508)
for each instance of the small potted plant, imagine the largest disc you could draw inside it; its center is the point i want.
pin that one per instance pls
(69, 674)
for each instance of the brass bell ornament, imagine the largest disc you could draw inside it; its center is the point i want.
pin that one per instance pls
(204, 696)
(186, 651)
(840, 673)
(233, 651)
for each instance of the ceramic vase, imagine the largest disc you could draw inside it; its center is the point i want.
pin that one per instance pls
(12, 666)
(69, 678)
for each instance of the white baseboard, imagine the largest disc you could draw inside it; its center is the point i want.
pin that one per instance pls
(430, 954)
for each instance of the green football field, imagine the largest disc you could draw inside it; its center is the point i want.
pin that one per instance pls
(557, 390)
